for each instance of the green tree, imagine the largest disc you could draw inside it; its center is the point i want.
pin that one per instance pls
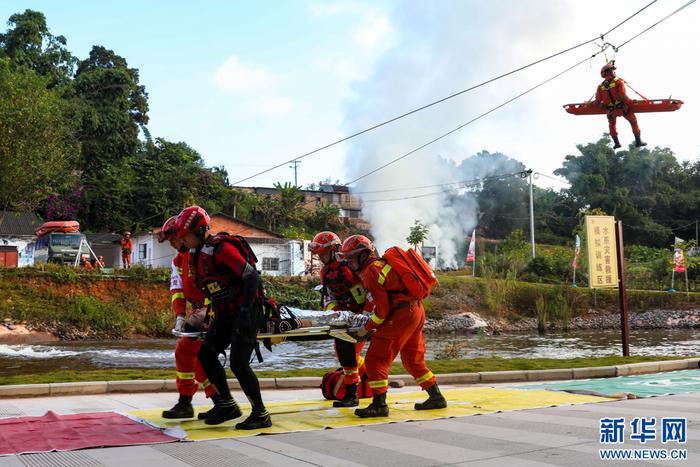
(113, 107)
(37, 146)
(417, 234)
(28, 43)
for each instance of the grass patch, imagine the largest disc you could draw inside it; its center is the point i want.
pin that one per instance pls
(471, 365)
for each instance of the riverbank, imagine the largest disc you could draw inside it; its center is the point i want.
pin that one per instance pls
(70, 305)
(442, 367)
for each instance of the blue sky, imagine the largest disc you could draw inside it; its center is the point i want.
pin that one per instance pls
(251, 84)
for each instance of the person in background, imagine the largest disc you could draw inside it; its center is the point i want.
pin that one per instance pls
(127, 245)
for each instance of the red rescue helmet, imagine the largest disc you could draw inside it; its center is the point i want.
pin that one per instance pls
(168, 230)
(354, 245)
(190, 220)
(323, 242)
(608, 69)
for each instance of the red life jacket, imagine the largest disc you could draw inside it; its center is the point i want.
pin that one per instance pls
(221, 288)
(344, 286)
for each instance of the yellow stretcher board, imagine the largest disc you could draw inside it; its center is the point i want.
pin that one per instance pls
(299, 415)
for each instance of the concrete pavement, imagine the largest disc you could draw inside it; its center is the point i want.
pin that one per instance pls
(566, 436)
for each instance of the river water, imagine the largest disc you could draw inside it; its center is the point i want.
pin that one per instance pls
(158, 353)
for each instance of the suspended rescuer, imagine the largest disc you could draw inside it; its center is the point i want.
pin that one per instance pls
(342, 290)
(127, 245)
(396, 321)
(612, 95)
(225, 272)
(189, 371)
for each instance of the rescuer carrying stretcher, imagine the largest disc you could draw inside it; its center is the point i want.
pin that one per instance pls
(224, 270)
(395, 285)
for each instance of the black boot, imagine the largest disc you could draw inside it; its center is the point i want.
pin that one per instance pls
(258, 418)
(224, 410)
(350, 399)
(435, 400)
(616, 140)
(215, 398)
(183, 409)
(638, 140)
(377, 408)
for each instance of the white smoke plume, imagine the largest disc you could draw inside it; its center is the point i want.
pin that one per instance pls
(436, 56)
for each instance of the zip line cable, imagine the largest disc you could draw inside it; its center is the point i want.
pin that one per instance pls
(690, 2)
(603, 48)
(439, 101)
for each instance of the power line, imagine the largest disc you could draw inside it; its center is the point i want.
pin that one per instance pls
(657, 23)
(451, 96)
(460, 182)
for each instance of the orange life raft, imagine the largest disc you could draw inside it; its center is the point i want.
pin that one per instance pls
(57, 226)
(637, 106)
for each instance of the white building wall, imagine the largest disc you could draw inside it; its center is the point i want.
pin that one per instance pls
(273, 258)
(25, 249)
(147, 252)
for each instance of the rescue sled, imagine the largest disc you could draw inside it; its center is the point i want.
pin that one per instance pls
(57, 226)
(637, 106)
(345, 333)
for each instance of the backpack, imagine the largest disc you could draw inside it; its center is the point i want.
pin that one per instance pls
(414, 272)
(241, 245)
(333, 389)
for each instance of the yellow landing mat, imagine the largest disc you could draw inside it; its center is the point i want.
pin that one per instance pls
(298, 415)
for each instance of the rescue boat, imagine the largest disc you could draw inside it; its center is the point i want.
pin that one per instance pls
(57, 226)
(637, 106)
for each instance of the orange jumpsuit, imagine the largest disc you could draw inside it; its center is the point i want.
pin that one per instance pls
(612, 95)
(399, 322)
(127, 244)
(342, 290)
(182, 290)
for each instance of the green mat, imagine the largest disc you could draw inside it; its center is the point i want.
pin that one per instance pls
(657, 384)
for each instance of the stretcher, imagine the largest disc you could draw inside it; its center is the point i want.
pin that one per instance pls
(636, 105)
(347, 334)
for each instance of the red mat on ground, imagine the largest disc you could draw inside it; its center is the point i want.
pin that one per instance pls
(53, 432)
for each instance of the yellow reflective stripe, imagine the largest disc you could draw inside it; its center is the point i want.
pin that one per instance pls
(177, 295)
(424, 378)
(184, 375)
(360, 360)
(331, 306)
(358, 293)
(350, 372)
(206, 384)
(376, 319)
(379, 383)
(207, 302)
(382, 274)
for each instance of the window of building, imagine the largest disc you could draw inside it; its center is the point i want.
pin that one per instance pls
(271, 264)
(143, 252)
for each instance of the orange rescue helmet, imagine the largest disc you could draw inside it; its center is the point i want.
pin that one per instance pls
(168, 230)
(608, 69)
(354, 245)
(323, 242)
(190, 220)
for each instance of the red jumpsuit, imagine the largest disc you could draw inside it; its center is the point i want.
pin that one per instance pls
(612, 95)
(127, 244)
(343, 290)
(182, 290)
(399, 322)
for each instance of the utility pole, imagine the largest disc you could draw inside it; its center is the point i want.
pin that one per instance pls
(532, 217)
(296, 163)
(696, 234)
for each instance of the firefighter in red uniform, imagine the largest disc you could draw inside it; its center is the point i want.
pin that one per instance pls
(397, 325)
(231, 283)
(612, 95)
(342, 290)
(182, 290)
